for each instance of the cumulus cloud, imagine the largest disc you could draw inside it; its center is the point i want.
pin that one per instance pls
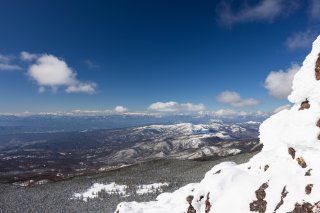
(6, 63)
(120, 109)
(176, 107)
(264, 10)
(234, 99)
(300, 40)
(279, 83)
(50, 71)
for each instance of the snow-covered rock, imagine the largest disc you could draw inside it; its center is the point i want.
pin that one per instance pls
(283, 178)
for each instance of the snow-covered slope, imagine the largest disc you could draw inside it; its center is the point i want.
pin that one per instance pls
(187, 141)
(283, 178)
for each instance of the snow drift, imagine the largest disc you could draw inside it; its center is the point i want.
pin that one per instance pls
(283, 178)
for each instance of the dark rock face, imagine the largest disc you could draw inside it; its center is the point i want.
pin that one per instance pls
(218, 172)
(302, 208)
(308, 189)
(260, 205)
(292, 152)
(266, 167)
(190, 208)
(306, 208)
(316, 208)
(308, 173)
(208, 204)
(317, 68)
(283, 195)
(189, 199)
(304, 105)
(301, 162)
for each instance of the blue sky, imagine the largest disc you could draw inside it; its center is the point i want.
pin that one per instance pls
(156, 55)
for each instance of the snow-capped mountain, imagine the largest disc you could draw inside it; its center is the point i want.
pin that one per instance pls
(188, 141)
(283, 178)
(69, 154)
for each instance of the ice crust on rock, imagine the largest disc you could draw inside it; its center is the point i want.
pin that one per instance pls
(235, 188)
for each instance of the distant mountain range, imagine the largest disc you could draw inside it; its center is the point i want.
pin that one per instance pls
(27, 158)
(35, 123)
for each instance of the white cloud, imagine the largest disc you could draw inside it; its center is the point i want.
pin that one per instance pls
(120, 109)
(26, 56)
(280, 108)
(224, 113)
(176, 107)
(91, 65)
(88, 87)
(6, 63)
(5, 59)
(264, 10)
(279, 83)
(234, 113)
(234, 99)
(50, 71)
(300, 40)
(89, 112)
(10, 67)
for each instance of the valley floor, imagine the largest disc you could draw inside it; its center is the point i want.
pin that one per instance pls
(57, 197)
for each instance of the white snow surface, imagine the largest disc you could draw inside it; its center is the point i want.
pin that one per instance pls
(150, 188)
(92, 192)
(113, 188)
(232, 187)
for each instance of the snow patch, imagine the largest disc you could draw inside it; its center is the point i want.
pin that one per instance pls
(93, 191)
(150, 188)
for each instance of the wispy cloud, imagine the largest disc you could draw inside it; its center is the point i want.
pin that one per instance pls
(6, 63)
(176, 107)
(221, 113)
(300, 40)
(26, 56)
(48, 71)
(234, 99)
(263, 11)
(90, 64)
(234, 113)
(279, 83)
